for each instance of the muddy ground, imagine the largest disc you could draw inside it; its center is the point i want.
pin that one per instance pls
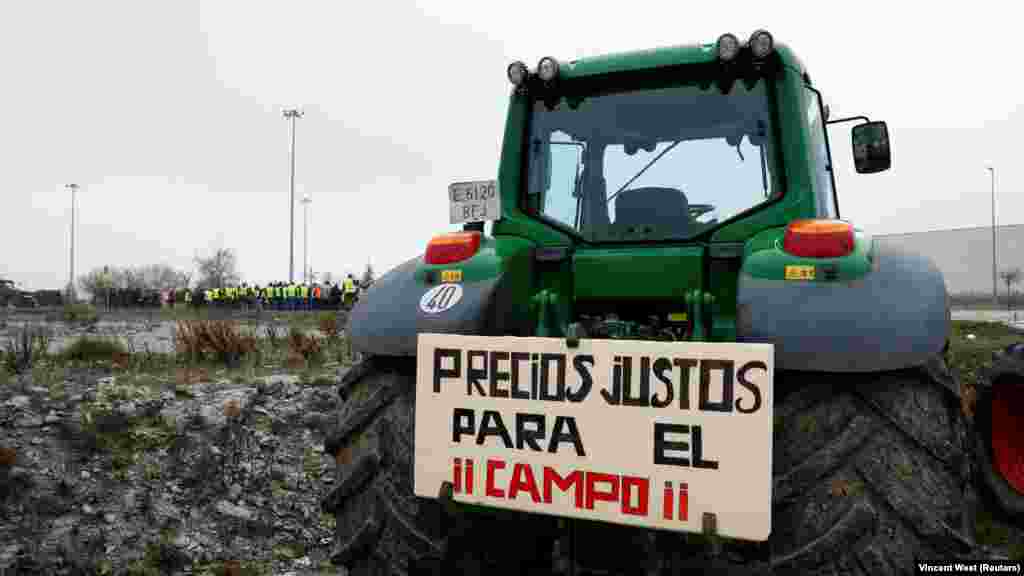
(155, 466)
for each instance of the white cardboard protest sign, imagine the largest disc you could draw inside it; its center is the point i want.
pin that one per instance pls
(641, 433)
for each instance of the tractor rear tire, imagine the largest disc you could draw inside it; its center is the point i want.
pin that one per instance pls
(872, 472)
(382, 528)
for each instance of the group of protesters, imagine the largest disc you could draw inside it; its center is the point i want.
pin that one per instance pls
(245, 296)
(280, 296)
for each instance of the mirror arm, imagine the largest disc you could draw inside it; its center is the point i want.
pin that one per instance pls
(848, 119)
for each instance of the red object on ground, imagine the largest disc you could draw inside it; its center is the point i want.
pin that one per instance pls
(1007, 440)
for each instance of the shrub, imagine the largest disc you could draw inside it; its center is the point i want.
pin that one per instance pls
(22, 350)
(93, 348)
(82, 313)
(219, 340)
(273, 336)
(328, 322)
(304, 345)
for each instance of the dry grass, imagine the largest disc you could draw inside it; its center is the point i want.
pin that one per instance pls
(295, 361)
(969, 399)
(23, 350)
(273, 336)
(190, 375)
(8, 456)
(303, 345)
(220, 340)
(329, 325)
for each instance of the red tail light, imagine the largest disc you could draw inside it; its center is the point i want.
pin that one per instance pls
(453, 247)
(818, 238)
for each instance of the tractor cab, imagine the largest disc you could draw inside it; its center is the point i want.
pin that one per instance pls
(656, 174)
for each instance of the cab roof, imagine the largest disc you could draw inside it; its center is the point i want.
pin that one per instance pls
(658, 57)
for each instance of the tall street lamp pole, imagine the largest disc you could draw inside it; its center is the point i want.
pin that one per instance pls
(305, 238)
(71, 281)
(291, 114)
(992, 174)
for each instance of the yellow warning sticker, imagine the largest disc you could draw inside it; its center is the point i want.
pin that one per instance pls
(677, 317)
(451, 275)
(799, 272)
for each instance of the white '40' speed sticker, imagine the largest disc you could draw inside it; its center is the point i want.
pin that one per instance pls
(440, 298)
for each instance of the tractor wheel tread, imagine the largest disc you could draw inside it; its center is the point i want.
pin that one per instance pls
(943, 452)
(858, 520)
(884, 482)
(360, 417)
(920, 523)
(361, 542)
(362, 472)
(824, 460)
(353, 376)
(381, 526)
(408, 532)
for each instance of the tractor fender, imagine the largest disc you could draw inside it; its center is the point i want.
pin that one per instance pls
(387, 318)
(896, 316)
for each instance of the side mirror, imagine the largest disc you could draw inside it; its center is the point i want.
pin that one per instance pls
(871, 148)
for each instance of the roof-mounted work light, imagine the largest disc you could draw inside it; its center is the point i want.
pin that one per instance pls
(547, 69)
(727, 47)
(761, 44)
(517, 73)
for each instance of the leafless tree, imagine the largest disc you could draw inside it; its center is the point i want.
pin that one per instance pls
(1011, 276)
(152, 277)
(162, 277)
(92, 283)
(219, 269)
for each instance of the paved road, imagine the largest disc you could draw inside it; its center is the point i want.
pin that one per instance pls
(1014, 319)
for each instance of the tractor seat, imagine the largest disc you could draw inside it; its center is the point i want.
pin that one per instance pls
(665, 209)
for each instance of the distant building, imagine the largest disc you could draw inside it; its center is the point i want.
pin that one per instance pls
(965, 254)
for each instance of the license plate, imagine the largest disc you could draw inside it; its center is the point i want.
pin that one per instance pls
(474, 201)
(644, 434)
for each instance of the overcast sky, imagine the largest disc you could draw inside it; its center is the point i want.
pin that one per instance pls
(167, 113)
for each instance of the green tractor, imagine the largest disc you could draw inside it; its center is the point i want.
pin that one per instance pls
(668, 354)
